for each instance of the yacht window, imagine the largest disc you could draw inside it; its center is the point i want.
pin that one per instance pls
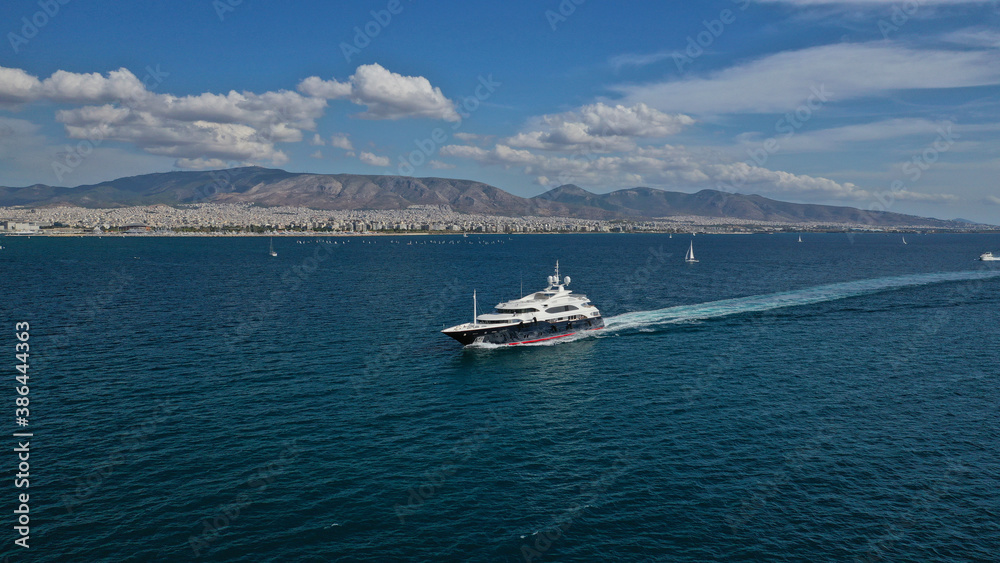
(561, 309)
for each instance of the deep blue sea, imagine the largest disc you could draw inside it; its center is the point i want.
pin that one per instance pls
(196, 399)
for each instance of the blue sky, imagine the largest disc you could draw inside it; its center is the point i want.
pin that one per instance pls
(868, 103)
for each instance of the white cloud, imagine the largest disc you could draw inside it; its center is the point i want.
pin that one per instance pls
(438, 165)
(196, 129)
(369, 158)
(783, 81)
(600, 128)
(275, 113)
(17, 86)
(670, 167)
(201, 163)
(467, 137)
(317, 141)
(180, 139)
(849, 135)
(330, 89)
(318, 154)
(637, 59)
(341, 141)
(119, 85)
(975, 37)
(991, 200)
(386, 94)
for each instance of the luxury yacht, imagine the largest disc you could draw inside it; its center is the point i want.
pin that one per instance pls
(553, 312)
(988, 257)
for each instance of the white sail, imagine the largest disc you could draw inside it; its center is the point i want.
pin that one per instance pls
(689, 257)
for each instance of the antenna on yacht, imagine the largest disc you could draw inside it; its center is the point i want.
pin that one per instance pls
(475, 309)
(557, 273)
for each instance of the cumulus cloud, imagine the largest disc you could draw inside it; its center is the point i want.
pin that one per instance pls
(317, 141)
(374, 160)
(387, 95)
(318, 154)
(17, 86)
(92, 87)
(205, 129)
(341, 141)
(600, 128)
(330, 89)
(184, 140)
(782, 81)
(198, 130)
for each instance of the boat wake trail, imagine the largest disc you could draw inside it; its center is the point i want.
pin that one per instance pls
(756, 303)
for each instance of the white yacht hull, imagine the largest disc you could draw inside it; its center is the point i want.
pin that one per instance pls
(523, 333)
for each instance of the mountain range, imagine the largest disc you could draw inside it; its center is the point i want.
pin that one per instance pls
(273, 187)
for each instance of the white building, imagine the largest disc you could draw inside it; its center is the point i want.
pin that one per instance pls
(15, 227)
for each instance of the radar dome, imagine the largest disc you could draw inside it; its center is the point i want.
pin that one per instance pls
(566, 280)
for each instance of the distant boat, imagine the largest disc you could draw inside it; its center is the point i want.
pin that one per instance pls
(904, 239)
(689, 257)
(272, 252)
(800, 238)
(988, 257)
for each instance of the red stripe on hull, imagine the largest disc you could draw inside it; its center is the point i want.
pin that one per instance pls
(549, 338)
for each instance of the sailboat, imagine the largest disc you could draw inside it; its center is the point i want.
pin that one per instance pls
(904, 239)
(689, 257)
(272, 252)
(800, 238)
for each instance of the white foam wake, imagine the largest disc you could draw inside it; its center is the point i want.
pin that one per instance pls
(807, 296)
